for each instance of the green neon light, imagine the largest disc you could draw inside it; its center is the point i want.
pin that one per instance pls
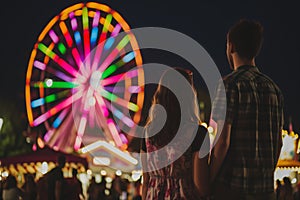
(85, 19)
(62, 48)
(123, 43)
(43, 48)
(55, 84)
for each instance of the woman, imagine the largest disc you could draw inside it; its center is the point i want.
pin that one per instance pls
(186, 177)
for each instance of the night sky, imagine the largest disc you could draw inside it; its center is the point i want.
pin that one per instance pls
(207, 22)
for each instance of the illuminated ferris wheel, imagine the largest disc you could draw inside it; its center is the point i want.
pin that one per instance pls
(85, 72)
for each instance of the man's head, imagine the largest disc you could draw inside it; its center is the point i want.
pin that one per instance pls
(61, 161)
(245, 39)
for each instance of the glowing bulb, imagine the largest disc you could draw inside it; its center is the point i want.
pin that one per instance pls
(103, 172)
(49, 82)
(118, 172)
(210, 129)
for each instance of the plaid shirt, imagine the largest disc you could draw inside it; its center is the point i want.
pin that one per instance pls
(255, 112)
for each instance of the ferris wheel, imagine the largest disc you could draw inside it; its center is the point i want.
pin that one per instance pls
(85, 72)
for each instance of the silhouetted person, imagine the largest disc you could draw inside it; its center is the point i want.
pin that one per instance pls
(72, 187)
(10, 189)
(96, 190)
(247, 147)
(278, 188)
(29, 188)
(286, 192)
(55, 180)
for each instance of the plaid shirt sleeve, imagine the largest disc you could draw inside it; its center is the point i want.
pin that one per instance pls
(225, 103)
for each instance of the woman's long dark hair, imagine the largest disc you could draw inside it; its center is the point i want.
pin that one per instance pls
(166, 98)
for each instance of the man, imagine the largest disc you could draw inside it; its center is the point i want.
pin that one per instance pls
(247, 148)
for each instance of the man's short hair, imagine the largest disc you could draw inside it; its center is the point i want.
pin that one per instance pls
(246, 37)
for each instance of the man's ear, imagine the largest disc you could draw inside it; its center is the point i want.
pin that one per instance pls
(231, 47)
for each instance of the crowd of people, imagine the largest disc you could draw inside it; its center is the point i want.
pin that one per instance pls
(53, 186)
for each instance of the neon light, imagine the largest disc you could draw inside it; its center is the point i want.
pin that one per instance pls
(114, 89)
(82, 126)
(123, 42)
(121, 116)
(39, 65)
(57, 108)
(102, 38)
(57, 59)
(94, 35)
(55, 84)
(53, 36)
(114, 132)
(103, 107)
(62, 48)
(74, 24)
(86, 34)
(123, 138)
(116, 30)
(118, 78)
(47, 28)
(96, 19)
(60, 118)
(109, 42)
(109, 71)
(66, 33)
(37, 103)
(102, 144)
(112, 97)
(77, 58)
(85, 19)
(59, 74)
(134, 89)
(127, 58)
(77, 37)
(46, 50)
(114, 53)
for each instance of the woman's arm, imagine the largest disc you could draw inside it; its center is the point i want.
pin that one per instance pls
(145, 175)
(201, 174)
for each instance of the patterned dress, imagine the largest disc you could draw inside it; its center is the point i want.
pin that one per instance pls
(174, 182)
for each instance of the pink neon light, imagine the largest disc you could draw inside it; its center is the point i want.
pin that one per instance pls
(116, 30)
(134, 89)
(102, 104)
(74, 24)
(77, 143)
(108, 60)
(118, 78)
(114, 132)
(71, 15)
(39, 65)
(97, 56)
(123, 138)
(48, 135)
(96, 19)
(76, 57)
(53, 36)
(66, 66)
(59, 74)
(57, 108)
(112, 79)
(124, 118)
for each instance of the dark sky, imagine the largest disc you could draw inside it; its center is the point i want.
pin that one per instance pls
(205, 21)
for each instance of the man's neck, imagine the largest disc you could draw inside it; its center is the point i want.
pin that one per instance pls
(241, 62)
